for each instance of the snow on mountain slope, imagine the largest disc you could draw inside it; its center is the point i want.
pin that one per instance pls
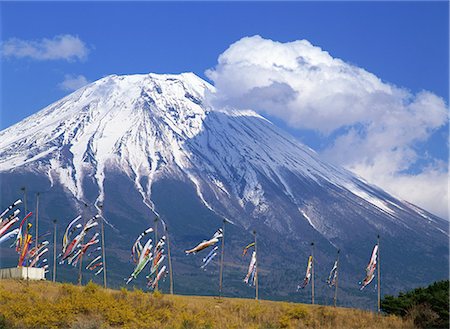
(121, 120)
(153, 126)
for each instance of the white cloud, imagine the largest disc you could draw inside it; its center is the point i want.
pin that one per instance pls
(375, 125)
(428, 189)
(72, 82)
(65, 47)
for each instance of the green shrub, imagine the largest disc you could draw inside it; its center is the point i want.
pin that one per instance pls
(426, 307)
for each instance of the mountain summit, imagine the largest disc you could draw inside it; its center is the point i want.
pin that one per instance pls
(141, 144)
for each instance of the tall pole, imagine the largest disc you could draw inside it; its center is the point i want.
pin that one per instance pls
(54, 251)
(103, 253)
(256, 269)
(221, 260)
(336, 282)
(100, 208)
(156, 242)
(170, 260)
(37, 220)
(24, 189)
(312, 273)
(378, 272)
(80, 273)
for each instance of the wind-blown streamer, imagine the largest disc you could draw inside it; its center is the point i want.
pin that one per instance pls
(20, 235)
(244, 252)
(155, 266)
(251, 273)
(331, 281)
(137, 246)
(370, 269)
(36, 258)
(93, 267)
(206, 243)
(68, 232)
(307, 275)
(208, 260)
(161, 272)
(93, 261)
(204, 260)
(84, 248)
(9, 222)
(9, 208)
(160, 244)
(24, 249)
(72, 246)
(35, 250)
(10, 235)
(145, 256)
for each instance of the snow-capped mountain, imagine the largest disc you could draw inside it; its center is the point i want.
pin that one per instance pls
(147, 133)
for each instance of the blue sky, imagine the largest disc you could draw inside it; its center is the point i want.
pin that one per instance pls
(404, 44)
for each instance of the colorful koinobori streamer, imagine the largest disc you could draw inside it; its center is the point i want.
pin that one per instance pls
(144, 257)
(26, 242)
(206, 243)
(75, 243)
(23, 240)
(158, 257)
(8, 222)
(206, 260)
(10, 235)
(161, 273)
(20, 235)
(69, 231)
(36, 253)
(244, 252)
(331, 281)
(83, 248)
(35, 250)
(93, 263)
(156, 262)
(250, 278)
(307, 276)
(137, 246)
(9, 208)
(36, 258)
(96, 264)
(370, 269)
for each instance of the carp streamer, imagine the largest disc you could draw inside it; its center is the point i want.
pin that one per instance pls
(370, 269)
(206, 243)
(307, 275)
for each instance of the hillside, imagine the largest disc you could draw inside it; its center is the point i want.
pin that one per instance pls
(49, 305)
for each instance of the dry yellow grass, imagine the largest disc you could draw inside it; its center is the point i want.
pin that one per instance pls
(49, 305)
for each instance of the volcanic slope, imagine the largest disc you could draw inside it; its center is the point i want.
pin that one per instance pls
(146, 144)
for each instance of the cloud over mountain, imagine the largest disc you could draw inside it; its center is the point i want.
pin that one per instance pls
(369, 126)
(73, 82)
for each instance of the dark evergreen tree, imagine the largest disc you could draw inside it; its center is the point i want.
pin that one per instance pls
(427, 307)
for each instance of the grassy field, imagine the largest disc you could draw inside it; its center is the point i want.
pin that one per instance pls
(49, 305)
